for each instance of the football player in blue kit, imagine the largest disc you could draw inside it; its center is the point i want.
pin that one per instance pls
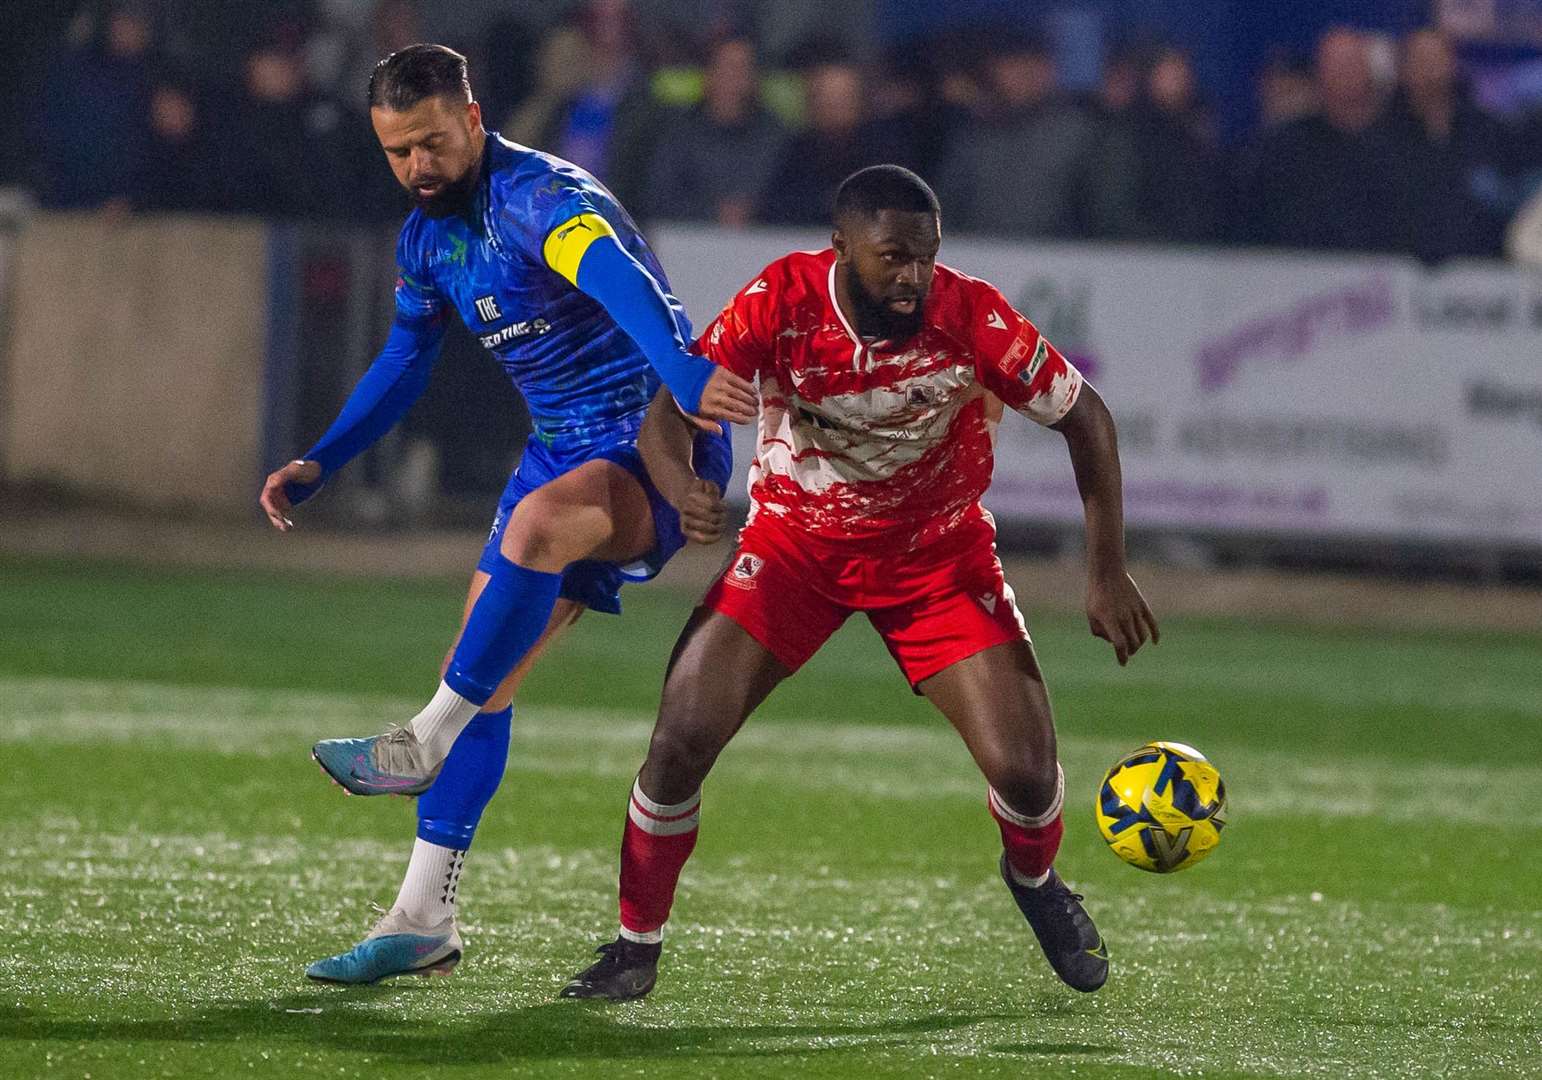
(540, 261)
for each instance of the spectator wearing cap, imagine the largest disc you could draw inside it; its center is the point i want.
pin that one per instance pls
(714, 161)
(1039, 164)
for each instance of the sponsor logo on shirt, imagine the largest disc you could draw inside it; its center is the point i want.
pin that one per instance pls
(456, 254)
(487, 309)
(995, 321)
(1027, 374)
(515, 330)
(758, 287)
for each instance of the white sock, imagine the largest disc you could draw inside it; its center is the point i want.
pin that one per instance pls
(433, 876)
(441, 722)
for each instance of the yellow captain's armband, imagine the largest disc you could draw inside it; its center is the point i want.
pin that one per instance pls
(566, 244)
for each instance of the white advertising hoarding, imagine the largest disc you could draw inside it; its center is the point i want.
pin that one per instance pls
(1255, 392)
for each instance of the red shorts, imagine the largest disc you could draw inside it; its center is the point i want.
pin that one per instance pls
(934, 606)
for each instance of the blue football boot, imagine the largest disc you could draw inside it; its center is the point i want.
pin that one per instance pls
(389, 764)
(395, 946)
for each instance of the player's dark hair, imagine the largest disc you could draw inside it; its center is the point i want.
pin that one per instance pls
(410, 75)
(884, 187)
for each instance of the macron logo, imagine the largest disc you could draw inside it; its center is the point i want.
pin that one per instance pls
(759, 286)
(988, 602)
(995, 322)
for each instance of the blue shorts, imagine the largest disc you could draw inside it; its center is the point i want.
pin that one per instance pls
(590, 582)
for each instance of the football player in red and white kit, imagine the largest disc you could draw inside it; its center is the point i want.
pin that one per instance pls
(883, 375)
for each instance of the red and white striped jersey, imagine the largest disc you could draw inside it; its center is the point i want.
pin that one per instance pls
(892, 447)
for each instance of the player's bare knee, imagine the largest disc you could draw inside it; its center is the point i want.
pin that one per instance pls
(679, 758)
(1026, 784)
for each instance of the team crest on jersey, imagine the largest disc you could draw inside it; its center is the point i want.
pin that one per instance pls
(487, 309)
(744, 569)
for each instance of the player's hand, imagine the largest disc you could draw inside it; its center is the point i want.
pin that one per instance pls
(1119, 614)
(275, 500)
(726, 397)
(702, 512)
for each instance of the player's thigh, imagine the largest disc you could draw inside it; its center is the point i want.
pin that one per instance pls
(597, 511)
(564, 615)
(997, 701)
(718, 674)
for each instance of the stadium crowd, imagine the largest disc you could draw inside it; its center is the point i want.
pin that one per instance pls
(1349, 152)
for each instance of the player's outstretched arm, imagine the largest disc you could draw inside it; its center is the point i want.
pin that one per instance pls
(666, 443)
(585, 250)
(1116, 611)
(387, 390)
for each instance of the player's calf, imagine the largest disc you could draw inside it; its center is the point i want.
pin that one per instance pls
(658, 840)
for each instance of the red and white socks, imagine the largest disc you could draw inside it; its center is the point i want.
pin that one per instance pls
(1031, 840)
(659, 838)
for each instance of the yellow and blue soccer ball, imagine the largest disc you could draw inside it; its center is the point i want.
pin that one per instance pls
(1162, 807)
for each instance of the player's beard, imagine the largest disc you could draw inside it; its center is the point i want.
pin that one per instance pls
(453, 198)
(876, 320)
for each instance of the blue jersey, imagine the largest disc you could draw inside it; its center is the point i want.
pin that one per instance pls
(582, 376)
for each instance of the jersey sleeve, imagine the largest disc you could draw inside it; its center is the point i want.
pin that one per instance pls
(419, 305)
(554, 220)
(1016, 362)
(739, 339)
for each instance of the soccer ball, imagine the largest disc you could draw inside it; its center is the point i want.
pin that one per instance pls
(1162, 807)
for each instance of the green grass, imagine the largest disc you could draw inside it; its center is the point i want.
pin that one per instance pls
(170, 859)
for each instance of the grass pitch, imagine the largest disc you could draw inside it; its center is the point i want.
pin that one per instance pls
(170, 858)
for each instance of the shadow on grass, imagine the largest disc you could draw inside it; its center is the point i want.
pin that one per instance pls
(555, 1030)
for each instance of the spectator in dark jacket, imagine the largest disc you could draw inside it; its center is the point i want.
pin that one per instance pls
(1459, 154)
(93, 116)
(813, 164)
(1338, 178)
(1183, 189)
(713, 162)
(183, 170)
(1039, 164)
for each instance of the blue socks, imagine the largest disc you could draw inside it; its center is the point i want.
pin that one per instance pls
(505, 622)
(448, 811)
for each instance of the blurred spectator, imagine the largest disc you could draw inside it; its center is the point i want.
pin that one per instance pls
(1121, 86)
(714, 161)
(294, 155)
(561, 66)
(507, 75)
(831, 148)
(341, 56)
(1039, 164)
(608, 124)
(270, 165)
(914, 120)
(1287, 89)
(1183, 189)
(183, 170)
(1336, 178)
(92, 121)
(1458, 153)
